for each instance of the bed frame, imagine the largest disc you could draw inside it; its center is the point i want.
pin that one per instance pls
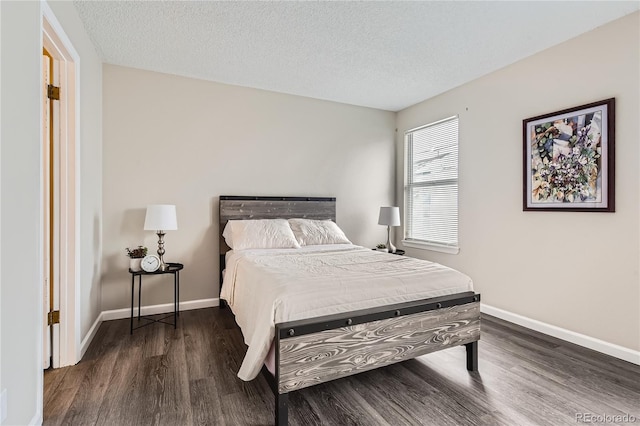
(317, 350)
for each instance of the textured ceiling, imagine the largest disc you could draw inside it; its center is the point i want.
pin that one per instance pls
(386, 55)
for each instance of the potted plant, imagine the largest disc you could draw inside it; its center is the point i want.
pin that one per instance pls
(382, 247)
(135, 257)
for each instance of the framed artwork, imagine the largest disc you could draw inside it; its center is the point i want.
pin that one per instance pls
(569, 161)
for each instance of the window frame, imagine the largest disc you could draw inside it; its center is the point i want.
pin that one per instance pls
(423, 244)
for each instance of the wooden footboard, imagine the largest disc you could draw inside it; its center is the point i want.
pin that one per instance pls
(319, 350)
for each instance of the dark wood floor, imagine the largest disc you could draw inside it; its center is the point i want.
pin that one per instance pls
(188, 376)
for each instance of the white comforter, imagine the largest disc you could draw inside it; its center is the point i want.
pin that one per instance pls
(265, 287)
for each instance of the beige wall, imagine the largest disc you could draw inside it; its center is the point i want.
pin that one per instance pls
(183, 141)
(20, 206)
(578, 271)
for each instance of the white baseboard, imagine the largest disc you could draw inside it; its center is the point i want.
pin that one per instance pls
(144, 310)
(89, 337)
(611, 349)
(159, 309)
(37, 418)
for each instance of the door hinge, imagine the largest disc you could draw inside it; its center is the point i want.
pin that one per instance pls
(53, 92)
(53, 318)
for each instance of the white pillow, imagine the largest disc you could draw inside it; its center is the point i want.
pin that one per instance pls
(256, 234)
(310, 232)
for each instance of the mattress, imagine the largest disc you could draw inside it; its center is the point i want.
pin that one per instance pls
(268, 286)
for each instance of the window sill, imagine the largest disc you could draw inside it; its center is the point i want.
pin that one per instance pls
(431, 246)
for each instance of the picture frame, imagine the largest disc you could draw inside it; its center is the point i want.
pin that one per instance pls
(569, 159)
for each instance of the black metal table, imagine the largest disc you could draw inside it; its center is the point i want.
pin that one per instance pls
(172, 268)
(399, 252)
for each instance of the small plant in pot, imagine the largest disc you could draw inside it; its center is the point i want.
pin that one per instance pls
(135, 257)
(382, 247)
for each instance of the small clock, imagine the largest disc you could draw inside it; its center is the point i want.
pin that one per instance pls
(150, 263)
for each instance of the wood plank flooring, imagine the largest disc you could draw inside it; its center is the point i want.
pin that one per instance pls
(162, 376)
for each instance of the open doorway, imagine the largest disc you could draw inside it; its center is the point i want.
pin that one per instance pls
(60, 191)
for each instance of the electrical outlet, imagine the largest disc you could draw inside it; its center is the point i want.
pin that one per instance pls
(3, 405)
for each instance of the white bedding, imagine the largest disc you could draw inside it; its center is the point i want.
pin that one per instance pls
(268, 286)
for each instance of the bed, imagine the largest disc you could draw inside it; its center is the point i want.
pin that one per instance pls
(312, 343)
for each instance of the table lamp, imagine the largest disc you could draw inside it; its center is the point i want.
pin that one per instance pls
(389, 216)
(160, 218)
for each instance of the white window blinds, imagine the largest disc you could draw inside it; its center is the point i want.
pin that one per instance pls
(431, 191)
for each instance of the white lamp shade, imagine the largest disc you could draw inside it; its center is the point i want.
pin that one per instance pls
(389, 216)
(161, 217)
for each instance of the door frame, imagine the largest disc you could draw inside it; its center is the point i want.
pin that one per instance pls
(49, 139)
(58, 44)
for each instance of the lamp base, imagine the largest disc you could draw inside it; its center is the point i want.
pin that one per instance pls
(163, 266)
(390, 247)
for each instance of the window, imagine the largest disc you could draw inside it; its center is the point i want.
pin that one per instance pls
(431, 189)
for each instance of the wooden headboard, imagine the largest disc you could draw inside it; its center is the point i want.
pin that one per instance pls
(237, 207)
